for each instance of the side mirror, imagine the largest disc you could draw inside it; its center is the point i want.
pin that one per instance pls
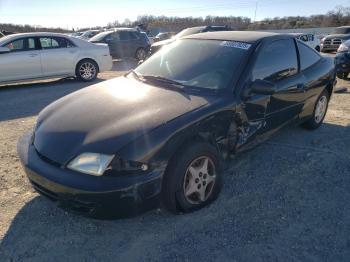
(262, 87)
(108, 39)
(4, 50)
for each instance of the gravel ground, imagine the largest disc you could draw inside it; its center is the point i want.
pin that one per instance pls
(287, 200)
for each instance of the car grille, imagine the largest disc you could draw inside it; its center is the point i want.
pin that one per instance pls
(335, 41)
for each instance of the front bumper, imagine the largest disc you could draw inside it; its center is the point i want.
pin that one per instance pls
(329, 47)
(102, 197)
(342, 62)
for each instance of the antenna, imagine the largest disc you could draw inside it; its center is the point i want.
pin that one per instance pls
(256, 9)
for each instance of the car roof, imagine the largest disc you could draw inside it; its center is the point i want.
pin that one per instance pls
(242, 36)
(20, 35)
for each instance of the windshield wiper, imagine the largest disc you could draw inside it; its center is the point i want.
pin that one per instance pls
(163, 79)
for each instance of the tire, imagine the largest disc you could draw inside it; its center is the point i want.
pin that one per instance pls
(318, 116)
(317, 48)
(178, 178)
(87, 70)
(342, 75)
(140, 54)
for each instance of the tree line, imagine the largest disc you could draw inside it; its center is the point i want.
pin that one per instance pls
(338, 17)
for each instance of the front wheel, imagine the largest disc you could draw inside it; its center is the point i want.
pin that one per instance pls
(192, 179)
(87, 70)
(141, 54)
(320, 111)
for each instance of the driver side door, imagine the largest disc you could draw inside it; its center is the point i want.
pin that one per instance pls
(277, 64)
(22, 62)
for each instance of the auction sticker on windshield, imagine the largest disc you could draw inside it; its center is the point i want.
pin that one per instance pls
(235, 44)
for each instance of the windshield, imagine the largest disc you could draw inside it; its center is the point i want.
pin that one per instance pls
(100, 36)
(342, 30)
(207, 64)
(189, 31)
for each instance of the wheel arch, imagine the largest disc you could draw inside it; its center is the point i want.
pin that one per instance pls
(88, 59)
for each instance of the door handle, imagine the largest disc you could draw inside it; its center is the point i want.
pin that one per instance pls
(33, 55)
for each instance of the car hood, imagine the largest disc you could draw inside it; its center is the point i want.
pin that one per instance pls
(105, 117)
(339, 36)
(164, 42)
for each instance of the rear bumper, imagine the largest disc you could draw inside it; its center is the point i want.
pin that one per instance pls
(102, 197)
(106, 64)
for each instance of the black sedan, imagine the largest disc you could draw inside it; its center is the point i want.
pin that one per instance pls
(157, 136)
(342, 60)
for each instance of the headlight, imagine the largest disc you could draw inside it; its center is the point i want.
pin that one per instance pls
(322, 40)
(343, 48)
(90, 163)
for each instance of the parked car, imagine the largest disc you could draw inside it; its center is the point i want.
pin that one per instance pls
(125, 43)
(46, 55)
(334, 40)
(89, 34)
(76, 34)
(163, 36)
(309, 39)
(158, 134)
(188, 31)
(342, 60)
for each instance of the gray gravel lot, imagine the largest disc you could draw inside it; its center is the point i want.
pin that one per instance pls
(287, 200)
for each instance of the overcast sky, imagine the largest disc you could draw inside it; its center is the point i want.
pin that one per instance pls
(86, 13)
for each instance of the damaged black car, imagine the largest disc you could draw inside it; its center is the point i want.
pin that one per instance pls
(157, 136)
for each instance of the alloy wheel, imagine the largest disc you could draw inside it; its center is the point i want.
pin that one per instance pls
(87, 71)
(199, 180)
(321, 109)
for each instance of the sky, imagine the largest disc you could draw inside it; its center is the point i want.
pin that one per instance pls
(87, 13)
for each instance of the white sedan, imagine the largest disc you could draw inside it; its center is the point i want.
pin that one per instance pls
(32, 56)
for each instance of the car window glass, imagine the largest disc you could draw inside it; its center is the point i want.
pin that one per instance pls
(124, 35)
(133, 36)
(17, 45)
(114, 36)
(276, 61)
(49, 43)
(63, 43)
(31, 43)
(308, 56)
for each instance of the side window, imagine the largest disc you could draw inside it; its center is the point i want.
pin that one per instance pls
(124, 35)
(49, 43)
(113, 36)
(308, 56)
(276, 61)
(17, 45)
(63, 43)
(31, 43)
(133, 36)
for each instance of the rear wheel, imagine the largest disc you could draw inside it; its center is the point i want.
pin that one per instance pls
(192, 179)
(87, 70)
(319, 113)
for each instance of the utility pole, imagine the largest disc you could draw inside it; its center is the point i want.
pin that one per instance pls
(256, 10)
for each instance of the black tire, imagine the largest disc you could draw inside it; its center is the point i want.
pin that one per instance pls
(313, 122)
(342, 75)
(173, 195)
(317, 48)
(140, 54)
(84, 67)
